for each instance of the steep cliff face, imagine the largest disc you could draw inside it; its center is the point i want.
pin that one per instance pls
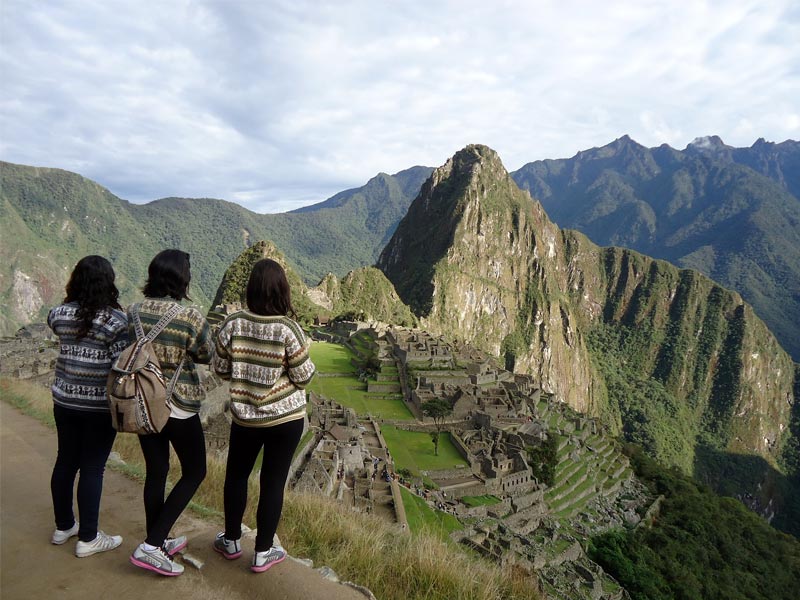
(477, 258)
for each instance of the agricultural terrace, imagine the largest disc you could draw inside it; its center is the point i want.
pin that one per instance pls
(422, 517)
(336, 379)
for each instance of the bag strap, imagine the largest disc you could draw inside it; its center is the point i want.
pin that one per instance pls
(165, 320)
(158, 327)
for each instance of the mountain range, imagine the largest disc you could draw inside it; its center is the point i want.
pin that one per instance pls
(730, 213)
(50, 218)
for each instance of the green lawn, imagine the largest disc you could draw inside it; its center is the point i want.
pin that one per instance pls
(485, 500)
(352, 393)
(331, 358)
(414, 451)
(421, 516)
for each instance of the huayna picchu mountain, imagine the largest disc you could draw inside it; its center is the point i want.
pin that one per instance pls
(731, 213)
(672, 359)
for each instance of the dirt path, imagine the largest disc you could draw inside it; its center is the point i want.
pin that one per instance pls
(32, 568)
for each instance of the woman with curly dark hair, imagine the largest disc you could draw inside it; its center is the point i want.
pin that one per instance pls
(92, 331)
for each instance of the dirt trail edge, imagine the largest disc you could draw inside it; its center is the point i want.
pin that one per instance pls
(31, 567)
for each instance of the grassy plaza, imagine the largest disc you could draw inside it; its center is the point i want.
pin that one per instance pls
(413, 450)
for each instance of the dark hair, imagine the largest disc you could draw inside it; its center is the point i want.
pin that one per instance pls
(91, 285)
(268, 290)
(168, 275)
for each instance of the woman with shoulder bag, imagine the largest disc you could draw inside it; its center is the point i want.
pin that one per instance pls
(184, 343)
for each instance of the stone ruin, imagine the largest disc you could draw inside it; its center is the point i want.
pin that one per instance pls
(30, 354)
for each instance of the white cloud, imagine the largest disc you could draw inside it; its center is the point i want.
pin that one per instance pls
(282, 103)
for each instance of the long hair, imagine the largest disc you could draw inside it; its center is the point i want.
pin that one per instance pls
(91, 285)
(169, 274)
(268, 290)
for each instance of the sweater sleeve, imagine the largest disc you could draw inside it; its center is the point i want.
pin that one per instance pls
(300, 369)
(222, 357)
(120, 341)
(200, 347)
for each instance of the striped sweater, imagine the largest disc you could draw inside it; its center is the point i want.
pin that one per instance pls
(83, 364)
(187, 334)
(266, 360)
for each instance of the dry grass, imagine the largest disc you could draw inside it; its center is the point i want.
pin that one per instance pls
(360, 548)
(393, 565)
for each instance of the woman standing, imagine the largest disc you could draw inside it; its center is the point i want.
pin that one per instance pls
(264, 353)
(183, 343)
(92, 330)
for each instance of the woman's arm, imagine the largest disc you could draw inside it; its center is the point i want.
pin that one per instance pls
(222, 357)
(200, 346)
(300, 369)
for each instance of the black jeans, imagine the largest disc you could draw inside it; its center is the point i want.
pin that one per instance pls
(186, 437)
(279, 443)
(84, 443)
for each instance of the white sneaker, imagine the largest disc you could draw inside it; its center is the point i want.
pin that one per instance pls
(62, 535)
(101, 543)
(264, 560)
(155, 560)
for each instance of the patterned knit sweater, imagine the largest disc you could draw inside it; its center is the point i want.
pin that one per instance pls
(83, 364)
(187, 334)
(267, 362)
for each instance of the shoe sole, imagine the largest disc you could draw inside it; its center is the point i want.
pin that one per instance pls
(226, 555)
(256, 569)
(86, 553)
(149, 567)
(178, 549)
(62, 542)
(53, 540)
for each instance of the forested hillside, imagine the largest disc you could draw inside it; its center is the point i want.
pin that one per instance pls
(51, 218)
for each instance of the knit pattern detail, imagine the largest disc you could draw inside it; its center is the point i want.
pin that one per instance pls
(187, 334)
(83, 364)
(267, 362)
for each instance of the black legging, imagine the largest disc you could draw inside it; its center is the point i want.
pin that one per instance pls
(279, 443)
(186, 436)
(84, 442)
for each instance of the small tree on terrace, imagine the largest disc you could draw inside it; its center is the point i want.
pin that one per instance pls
(437, 410)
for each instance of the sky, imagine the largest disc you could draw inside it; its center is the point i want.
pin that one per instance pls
(276, 105)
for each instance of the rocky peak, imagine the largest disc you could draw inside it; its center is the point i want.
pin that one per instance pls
(708, 144)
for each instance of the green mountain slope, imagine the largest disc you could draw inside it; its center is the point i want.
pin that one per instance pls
(51, 218)
(667, 356)
(731, 213)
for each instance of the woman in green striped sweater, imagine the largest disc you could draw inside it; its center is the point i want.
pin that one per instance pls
(184, 343)
(264, 354)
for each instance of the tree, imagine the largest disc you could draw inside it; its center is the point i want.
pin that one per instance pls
(437, 409)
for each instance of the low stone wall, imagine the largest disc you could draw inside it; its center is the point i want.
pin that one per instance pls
(380, 387)
(300, 456)
(454, 473)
